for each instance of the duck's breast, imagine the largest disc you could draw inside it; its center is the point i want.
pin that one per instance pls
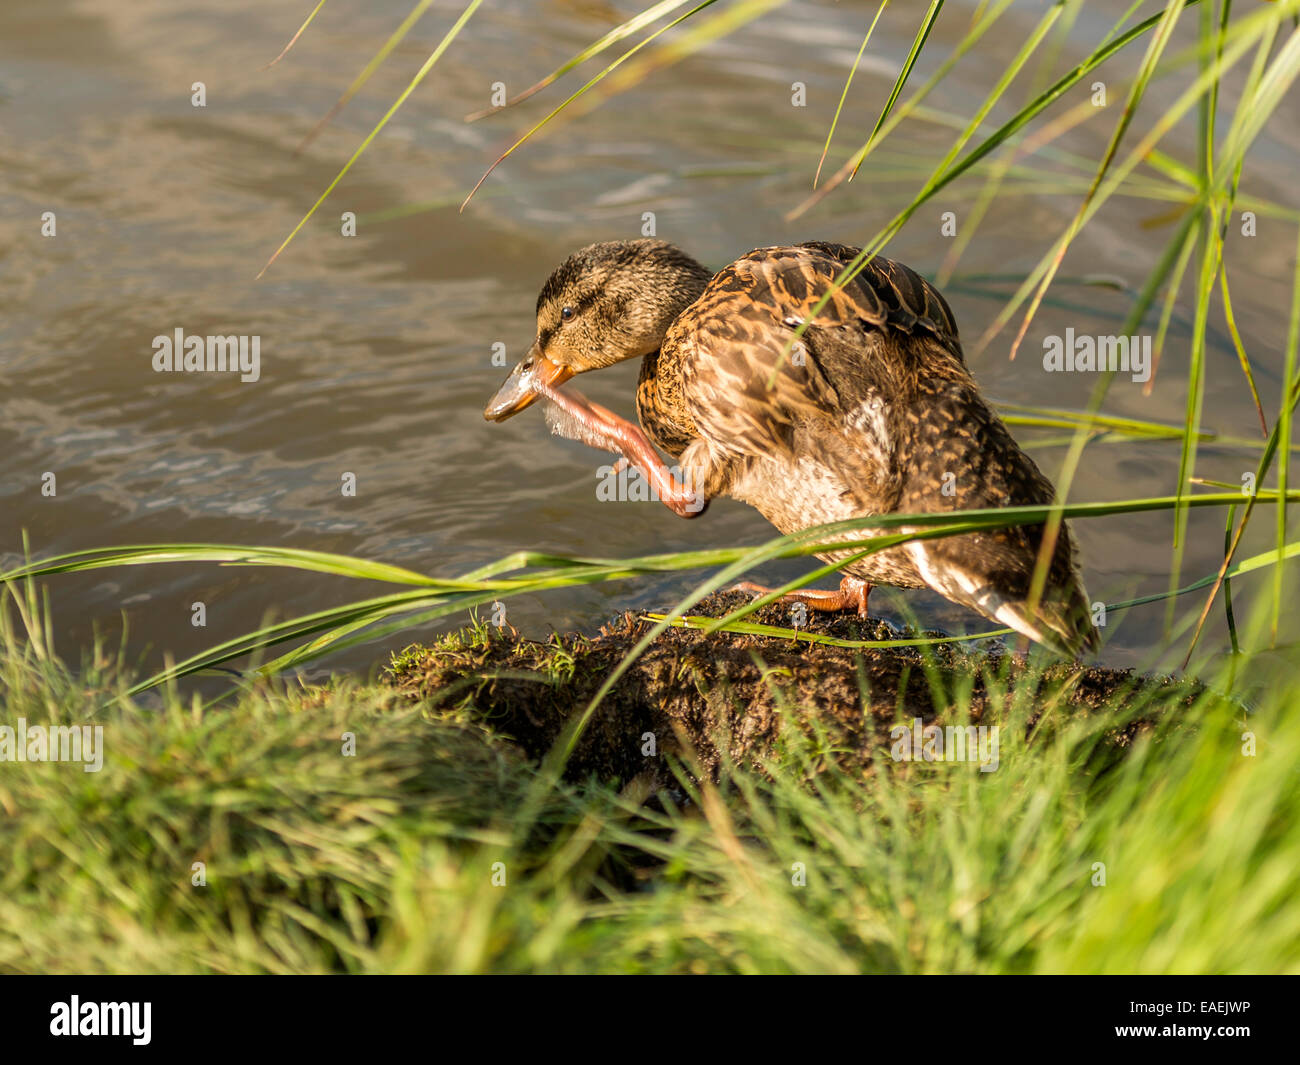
(793, 492)
(797, 492)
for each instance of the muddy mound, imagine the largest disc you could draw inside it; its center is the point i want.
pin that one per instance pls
(732, 695)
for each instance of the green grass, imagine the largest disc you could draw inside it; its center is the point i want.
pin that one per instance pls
(326, 632)
(384, 861)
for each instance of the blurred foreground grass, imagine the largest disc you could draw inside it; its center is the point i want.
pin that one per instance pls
(387, 860)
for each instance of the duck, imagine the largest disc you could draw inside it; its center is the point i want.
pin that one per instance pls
(812, 402)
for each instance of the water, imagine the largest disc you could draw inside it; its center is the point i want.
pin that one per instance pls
(376, 351)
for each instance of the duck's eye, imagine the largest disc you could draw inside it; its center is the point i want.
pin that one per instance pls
(567, 314)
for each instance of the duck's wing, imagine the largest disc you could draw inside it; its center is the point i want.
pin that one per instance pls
(773, 345)
(961, 457)
(900, 299)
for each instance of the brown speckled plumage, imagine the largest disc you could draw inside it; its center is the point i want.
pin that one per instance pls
(871, 412)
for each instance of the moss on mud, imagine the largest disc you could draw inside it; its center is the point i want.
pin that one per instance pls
(729, 696)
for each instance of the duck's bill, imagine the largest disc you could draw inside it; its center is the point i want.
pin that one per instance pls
(524, 384)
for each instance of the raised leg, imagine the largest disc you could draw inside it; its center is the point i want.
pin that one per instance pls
(606, 429)
(852, 593)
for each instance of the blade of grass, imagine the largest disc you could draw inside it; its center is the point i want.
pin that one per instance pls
(1195, 393)
(726, 21)
(581, 92)
(394, 39)
(1055, 417)
(749, 628)
(420, 75)
(835, 119)
(1227, 584)
(1240, 36)
(1185, 242)
(1006, 164)
(225, 554)
(438, 599)
(1284, 433)
(618, 33)
(1240, 348)
(1267, 559)
(294, 39)
(922, 34)
(1291, 397)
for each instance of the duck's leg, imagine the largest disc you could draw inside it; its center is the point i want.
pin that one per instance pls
(603, 428)
(852, 593)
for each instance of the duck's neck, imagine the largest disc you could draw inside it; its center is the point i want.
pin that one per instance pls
(642, 300)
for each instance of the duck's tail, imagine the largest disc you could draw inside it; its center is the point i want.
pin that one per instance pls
(1063, 625)
(1061, 620)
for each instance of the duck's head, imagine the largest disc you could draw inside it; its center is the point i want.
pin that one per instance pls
(603, 304)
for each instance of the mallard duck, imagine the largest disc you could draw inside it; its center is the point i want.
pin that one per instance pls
(870, 410)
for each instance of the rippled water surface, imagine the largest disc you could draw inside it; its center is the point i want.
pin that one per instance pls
(376, 351)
